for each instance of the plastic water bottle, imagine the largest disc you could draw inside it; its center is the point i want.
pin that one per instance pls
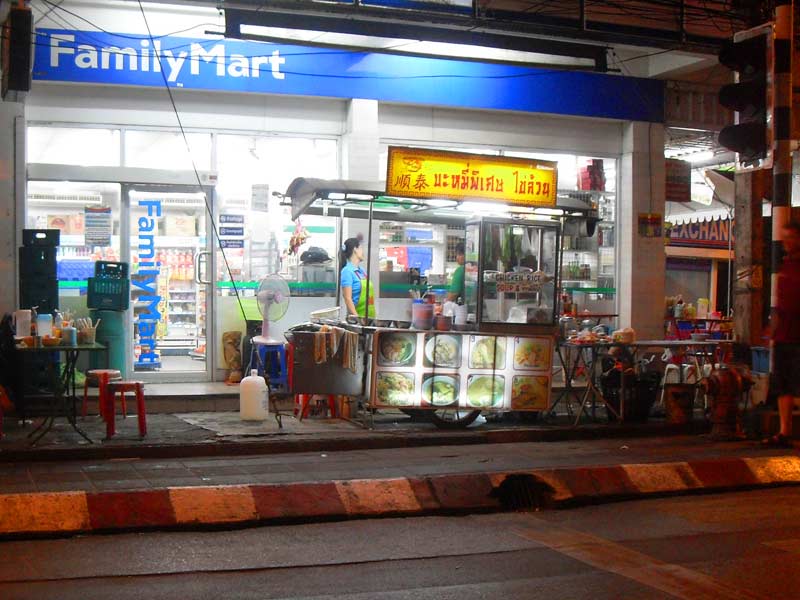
(253, 398)
(44, 325)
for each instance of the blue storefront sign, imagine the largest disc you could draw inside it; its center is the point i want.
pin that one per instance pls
(246, 66)
(232, 231)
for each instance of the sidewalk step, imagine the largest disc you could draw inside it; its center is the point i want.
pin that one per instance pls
(72, 512)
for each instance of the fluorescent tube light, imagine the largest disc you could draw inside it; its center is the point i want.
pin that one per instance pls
(365, 43)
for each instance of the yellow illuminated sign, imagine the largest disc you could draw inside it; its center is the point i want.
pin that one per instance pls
(419, 173)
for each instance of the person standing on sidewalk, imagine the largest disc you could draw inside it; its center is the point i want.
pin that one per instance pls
(785, 326)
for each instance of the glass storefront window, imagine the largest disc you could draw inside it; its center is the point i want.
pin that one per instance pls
(250, 169)
(589, 261)
(86, 147)
(167, 150)
(65, 206)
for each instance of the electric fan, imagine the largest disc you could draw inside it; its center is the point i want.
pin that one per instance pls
(273, 302)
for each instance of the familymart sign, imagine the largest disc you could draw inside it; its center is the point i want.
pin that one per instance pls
(94, 57)
(152, 57)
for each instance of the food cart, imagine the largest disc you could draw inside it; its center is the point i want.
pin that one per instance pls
(501, 359)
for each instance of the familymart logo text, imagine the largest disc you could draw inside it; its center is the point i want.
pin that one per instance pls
(177, 62)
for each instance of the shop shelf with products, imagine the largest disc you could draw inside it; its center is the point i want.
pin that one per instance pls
(589, 261)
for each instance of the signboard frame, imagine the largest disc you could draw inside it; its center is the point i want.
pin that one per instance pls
(441, 174)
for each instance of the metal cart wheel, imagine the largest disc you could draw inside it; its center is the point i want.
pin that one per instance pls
(417, 414)
(453, 418)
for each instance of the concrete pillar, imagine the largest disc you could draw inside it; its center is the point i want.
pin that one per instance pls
(360, 157)
(12, 189)
(641, 260)
(751, 276)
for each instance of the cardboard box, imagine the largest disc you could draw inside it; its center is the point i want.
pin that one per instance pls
(180, 225)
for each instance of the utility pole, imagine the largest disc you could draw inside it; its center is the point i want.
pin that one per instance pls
(782, 157)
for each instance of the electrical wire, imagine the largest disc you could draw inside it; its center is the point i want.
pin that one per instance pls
(196, 172)
(54, 6)
(50, 10)
(58, 6)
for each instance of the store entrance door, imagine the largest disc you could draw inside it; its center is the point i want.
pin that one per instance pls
(171, 268)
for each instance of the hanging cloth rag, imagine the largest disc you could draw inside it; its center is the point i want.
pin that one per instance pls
(327, 342)
(350, 351)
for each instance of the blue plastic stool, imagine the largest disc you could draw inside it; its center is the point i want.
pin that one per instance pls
(270, 360)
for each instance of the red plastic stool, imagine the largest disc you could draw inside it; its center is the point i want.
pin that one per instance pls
(121, 387)
(302, 402)
(102, 377)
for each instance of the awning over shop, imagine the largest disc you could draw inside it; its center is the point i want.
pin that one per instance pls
(702, 233)
(304, 192)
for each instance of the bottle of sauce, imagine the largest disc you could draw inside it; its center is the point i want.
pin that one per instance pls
(679, 308)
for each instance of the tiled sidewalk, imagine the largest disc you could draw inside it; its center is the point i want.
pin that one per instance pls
(137, 474)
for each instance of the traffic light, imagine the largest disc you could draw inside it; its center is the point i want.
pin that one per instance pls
(751, 55)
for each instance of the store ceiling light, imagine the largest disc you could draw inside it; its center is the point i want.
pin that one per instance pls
(410, 32)
(74, 199)
(411, 47)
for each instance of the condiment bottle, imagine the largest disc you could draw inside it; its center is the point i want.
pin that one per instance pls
(679, 308)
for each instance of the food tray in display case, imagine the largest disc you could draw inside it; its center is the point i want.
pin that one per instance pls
(436, 370)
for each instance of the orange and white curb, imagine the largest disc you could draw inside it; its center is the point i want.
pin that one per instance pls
(75, 512)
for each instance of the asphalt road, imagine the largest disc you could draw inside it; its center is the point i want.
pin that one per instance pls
(736, 545)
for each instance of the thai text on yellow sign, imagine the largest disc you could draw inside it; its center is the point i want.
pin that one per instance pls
(420, 173)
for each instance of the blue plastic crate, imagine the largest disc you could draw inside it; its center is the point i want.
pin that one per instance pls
(760, 356)
(72, 269)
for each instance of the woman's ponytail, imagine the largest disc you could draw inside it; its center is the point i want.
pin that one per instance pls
(347, 249)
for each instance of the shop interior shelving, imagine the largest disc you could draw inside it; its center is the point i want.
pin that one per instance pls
(182, 329)
(589, 263)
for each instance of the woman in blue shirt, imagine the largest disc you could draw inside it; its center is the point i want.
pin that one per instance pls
(353, 281)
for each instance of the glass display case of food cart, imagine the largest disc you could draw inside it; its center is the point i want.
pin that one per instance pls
(511, 274)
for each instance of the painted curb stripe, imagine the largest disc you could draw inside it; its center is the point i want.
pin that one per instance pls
(453, 492)
(119, 510)
(775, 469)
(370, 497)
(44, 513)
(612, 481)
(296, 500)
(662, 477)
(424, 494)
(578, 482)
(723, 473)
(223, 504)
(69, 512)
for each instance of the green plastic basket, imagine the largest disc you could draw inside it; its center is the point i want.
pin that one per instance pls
(108, 294)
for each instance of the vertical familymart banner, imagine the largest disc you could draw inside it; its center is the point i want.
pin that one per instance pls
(93, 57)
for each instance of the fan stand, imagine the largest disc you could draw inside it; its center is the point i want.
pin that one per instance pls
(270, 348)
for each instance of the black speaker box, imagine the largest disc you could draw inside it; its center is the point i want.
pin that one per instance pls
(37, 262)
(17, 51)
(40, 292)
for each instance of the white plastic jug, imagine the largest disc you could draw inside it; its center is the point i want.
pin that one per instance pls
(22, 322)
(44, 325)
(253, 398)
